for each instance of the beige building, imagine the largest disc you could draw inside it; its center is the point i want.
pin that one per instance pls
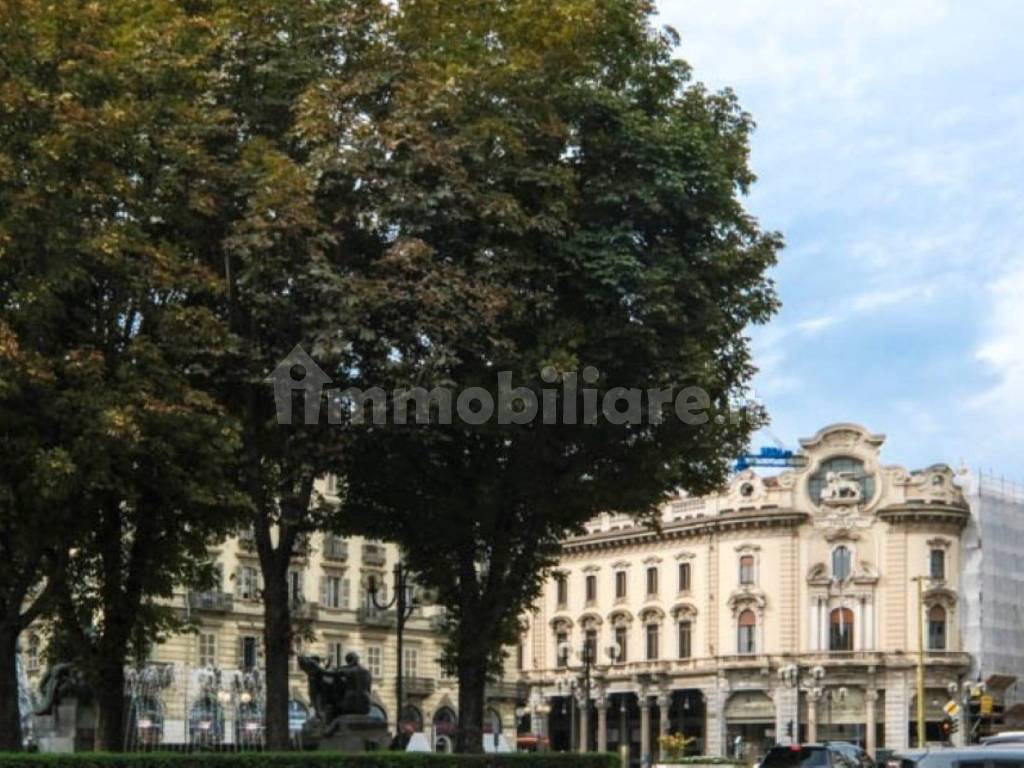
(206, 687)
(784, 608)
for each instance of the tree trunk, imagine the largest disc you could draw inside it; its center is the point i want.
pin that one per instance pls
(110, 725)
(10, 715)
(277, 639)
(472, 667)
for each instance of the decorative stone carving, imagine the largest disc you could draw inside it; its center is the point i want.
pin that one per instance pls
(841, 489)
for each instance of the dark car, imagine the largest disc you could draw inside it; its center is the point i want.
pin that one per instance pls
(855, 753)
(807, 756)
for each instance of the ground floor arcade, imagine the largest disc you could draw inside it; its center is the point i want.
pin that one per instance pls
(744, 710)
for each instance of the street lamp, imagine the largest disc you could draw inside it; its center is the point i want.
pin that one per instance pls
(404, 604)
(577, 680)
(790, 677)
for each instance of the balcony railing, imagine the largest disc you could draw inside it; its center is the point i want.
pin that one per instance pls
(374, 554)
(375, 618)
(510, 690)
(418, 686)
(211, 602)
(247, 541)
(335, 549)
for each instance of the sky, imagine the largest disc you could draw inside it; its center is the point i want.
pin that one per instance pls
(890, 154)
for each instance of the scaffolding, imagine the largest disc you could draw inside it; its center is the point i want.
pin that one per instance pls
(992, 613)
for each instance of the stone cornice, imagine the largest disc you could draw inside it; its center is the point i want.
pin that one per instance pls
(688, 528)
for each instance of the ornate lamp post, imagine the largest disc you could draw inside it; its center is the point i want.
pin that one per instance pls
(790, 677)
(578, 681)
(404, 604)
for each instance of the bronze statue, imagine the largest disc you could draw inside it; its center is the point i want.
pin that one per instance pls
(336, 692)
(59, 681)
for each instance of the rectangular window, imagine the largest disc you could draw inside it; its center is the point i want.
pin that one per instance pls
(937, 564)
(747, 569)
(335, 653)
(591, 584)
(207, 649)
(375, 661)
(620, 584)
(652, 580)
(332, 592)
(249, 652)
(745, 642)
(652, 642)
(620, 641)
(685, 639)
(410, 662)
(248, 583)
(684, 577)
(520, 656)
(562, 589)
(296, 593)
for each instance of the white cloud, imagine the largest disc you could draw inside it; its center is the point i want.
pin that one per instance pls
(1003, 351)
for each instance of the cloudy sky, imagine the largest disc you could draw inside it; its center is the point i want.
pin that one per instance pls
(890, 152)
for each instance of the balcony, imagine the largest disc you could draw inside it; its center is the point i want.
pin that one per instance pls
(335, 549)
(374, 554)
(374, 618)
(211, 602)
(509, 690)
(303, 610)
(417, 686)
(247, 540)
(302, 546)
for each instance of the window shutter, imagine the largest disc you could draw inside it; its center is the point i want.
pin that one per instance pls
(238, 582)
(259, 652)
(346, 587)
(240, 652)
(323, 591)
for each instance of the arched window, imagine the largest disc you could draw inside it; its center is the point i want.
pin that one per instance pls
(206, 722)
(937, 628)
(747, 631)
(298, 714)
(841, 630)
(249, 724)
(841, 563)
(653, 632)
(685, 639)
(412, 719)
(146, 721)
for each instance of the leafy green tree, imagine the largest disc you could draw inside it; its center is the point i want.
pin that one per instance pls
(558, 170)
(119, 456)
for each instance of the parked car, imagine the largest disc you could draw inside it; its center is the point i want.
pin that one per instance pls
(855, 753)
(999, 756)
(906, 759)
(1006, 737)
(807, 756)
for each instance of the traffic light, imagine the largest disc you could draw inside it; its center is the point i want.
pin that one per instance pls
(950, 725)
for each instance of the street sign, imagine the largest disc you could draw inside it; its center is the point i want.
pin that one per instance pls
(952, 708)
(986, 705)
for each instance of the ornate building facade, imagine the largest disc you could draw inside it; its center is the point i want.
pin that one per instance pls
(784, 608)
(205, 687)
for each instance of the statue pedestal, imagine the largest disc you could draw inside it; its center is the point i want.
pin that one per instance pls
(348, 733)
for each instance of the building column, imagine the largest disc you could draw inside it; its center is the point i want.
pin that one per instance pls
(645, 730)
(714, 720)
(664, 705)
(870, 718)
(897, 711)
(812, 716)
(584, 726)
(541, 729)
(602, 724)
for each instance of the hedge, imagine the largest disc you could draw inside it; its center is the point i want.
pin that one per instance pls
(306, 760)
